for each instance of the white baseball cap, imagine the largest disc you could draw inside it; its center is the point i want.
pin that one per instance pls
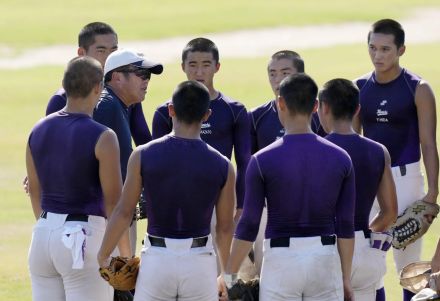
(124, 57)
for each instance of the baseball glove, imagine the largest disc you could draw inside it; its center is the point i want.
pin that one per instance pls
(413, 223)
(245, 290)
(121, 273)
(415, 276)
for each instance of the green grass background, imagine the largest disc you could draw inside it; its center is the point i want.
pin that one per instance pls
(24, 93)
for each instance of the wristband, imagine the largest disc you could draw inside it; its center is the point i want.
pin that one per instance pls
(230, 279)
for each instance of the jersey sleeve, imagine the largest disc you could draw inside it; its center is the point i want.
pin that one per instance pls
(247, 228)
(56, 103)
(253, 133)
(242, 152)
(138, 125)
(162, 124)
(345, 206)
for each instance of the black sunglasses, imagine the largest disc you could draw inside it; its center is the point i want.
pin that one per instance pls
(143, 73)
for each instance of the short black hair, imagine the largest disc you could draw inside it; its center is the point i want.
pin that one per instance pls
(389, 26)
(86, 36)
(342, 96)
(299, 92)
(201, 45)
(191, 101)
(293, 56)
(82, 74)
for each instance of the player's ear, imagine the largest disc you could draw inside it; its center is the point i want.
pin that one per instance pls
(207, 114)
(281, 103)
(323, 107)
(315, 106)
(217, 67)
(171, 111)
(81, 51)
(358, 109)
(401, 50)
(97, 89)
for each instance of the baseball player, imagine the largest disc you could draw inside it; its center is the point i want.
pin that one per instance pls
(98, 40)
(266, 127)
(126, 77)
(228, 126)
(398, 111)
(74, 183)
(308, 185)
(338, 103)
(183, 180)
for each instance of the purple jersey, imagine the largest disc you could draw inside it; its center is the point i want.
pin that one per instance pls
(227, 128)
(138, 126)
(266, 126)
(389, 115)
(308, 184)
(57, 102)
(63, 150)
(368, 161)
(182, 180)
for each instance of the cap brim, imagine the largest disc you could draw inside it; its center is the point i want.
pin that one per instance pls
(155, 68)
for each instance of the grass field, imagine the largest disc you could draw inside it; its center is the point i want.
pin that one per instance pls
(24, 93)
(36, 23)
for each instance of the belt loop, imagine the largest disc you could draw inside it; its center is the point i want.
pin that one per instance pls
(402, 170)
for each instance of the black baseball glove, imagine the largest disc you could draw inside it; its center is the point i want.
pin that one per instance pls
(245, 290)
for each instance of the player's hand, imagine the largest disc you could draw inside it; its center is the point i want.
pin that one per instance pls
(103, 261)
(431, 197)
(222, 290)
(26, 185)
(436, 278)
(348, 291)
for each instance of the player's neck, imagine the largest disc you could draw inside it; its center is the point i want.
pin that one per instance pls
(298, 124)
(389, 75)
(342, 127)
(213, 93)
(187, 131)
(79, 106)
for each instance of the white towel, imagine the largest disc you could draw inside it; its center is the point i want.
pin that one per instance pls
(74, 238)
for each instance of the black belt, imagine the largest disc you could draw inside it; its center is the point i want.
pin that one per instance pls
(160, 242)
(284, 242)
(71, 217)
(367, 233)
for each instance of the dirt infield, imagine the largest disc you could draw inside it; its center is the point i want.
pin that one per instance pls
(422, 27)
